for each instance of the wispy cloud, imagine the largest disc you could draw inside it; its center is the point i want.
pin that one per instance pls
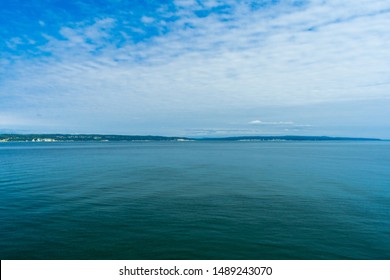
(147, 20)
(199, 58)
(259, 122)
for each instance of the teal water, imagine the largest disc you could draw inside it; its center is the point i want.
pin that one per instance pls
(195, 200)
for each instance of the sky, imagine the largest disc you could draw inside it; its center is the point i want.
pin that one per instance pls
(196, 67)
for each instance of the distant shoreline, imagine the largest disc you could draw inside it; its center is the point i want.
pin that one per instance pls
(145, 138)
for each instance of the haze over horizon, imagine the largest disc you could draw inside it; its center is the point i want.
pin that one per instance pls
(196, 68)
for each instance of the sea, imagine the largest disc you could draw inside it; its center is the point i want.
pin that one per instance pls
(292, 200)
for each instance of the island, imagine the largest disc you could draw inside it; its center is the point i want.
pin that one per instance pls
(138, 138)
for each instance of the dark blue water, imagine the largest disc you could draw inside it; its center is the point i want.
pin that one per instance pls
(208, 200)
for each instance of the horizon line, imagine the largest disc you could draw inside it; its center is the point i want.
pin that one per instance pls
(193, 137)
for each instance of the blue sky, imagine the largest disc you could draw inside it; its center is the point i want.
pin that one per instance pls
(196, 68)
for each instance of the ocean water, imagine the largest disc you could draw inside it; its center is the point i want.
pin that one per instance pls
(195, 200)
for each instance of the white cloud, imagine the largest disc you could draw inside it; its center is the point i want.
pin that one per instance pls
(147, 20)
(14, 42)
(325, 51)
(258, 122)
(186, 3)
(255, 122)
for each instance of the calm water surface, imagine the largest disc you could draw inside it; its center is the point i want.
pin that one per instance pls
(208, 200)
